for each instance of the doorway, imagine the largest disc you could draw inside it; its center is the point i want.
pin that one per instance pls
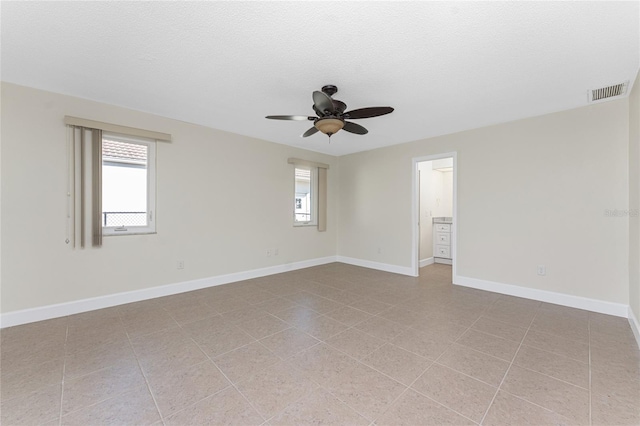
(434, 211)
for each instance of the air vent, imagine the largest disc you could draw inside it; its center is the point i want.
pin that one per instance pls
(607, 93)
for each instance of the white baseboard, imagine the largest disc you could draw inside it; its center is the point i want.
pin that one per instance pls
(426, 262)
(594, 305)
(404, 270)
(25, 316)
(635, 325)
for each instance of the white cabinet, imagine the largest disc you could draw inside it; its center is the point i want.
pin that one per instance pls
(443, 252)
(443, 238)
(443, 227)
(442, 242)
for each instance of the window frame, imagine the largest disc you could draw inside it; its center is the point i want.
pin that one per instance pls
(313, 189)
(151, 145)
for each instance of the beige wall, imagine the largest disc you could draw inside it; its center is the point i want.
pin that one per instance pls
(222, 200)
(530, 192)
(634, 198)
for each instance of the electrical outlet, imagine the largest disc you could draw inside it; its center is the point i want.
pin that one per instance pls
(268, 252)
(180, 264)
(542, 270)
(379, 250)
(275, 251)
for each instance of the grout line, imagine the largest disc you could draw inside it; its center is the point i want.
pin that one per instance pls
(590, 396)
(436, 362)
(322, 342)
(206, 397)
(519, 366)
(303, 396)
(223, 353)
(225, 376)
(445, 406)
(503, 323)
(510, 365)
(146, 380)
(97, 369)
(420, 375)
(128, 340)
(100, 401)
(558, 336)
(300, 351)
(569, 421)
(558, 353)
(64, 366)
(349, 327)
(279, 412)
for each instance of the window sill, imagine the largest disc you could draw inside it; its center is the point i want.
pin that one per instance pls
(120, 234)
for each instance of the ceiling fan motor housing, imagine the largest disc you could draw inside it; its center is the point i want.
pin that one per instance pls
(331, 114)
(330, 89)
(339, 106)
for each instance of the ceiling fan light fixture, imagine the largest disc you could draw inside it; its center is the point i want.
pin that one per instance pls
(331, 115)
(329, 126)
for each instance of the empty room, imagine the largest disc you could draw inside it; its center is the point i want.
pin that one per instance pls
(291, 213)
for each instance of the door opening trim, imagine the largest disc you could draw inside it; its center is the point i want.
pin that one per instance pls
(415, 218)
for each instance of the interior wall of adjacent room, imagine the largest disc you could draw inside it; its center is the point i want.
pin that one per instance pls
(427, 190)
(634, 198)
(222, 200)
(530, 192)
(436, 200)
(447, 194)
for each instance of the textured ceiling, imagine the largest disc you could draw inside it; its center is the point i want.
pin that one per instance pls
(444, 66)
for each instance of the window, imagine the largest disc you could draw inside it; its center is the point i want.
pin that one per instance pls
(306, 197)
(128, 185)
(310, 193)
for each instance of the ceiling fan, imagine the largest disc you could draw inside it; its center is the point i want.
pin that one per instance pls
(332, 116)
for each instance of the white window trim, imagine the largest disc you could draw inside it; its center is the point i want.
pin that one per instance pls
(151, 188)
(313, 187)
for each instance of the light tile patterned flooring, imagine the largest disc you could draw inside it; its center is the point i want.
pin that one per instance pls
(334, 344)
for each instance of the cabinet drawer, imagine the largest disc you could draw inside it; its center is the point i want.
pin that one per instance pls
(443, 227)
(443, 251)
(443, 238)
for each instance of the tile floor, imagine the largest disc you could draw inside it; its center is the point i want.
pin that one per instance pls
(334, 344)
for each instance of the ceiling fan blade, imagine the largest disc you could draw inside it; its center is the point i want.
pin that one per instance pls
(309, 132)
(368, 112)
(290, 117)
(322, 102)
(354, 128)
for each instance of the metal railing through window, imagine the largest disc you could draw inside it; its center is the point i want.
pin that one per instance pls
(118, 219)
(303, 217)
